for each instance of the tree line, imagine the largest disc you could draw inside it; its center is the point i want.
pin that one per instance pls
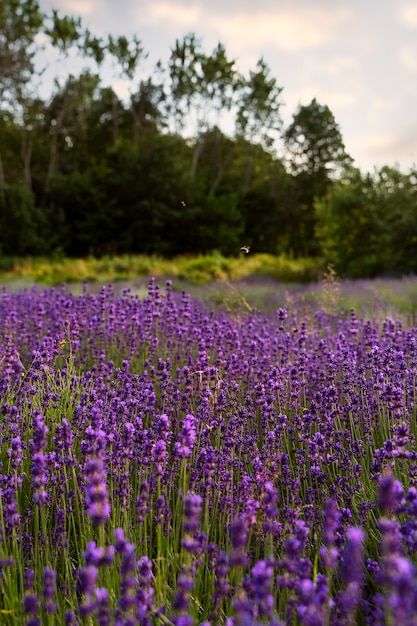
(85, 172)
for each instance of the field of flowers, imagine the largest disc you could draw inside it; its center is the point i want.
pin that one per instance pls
(163, 463)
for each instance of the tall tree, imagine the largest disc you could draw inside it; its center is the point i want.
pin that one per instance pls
(216, 85)
(258, 119)
(145, 106)
(316, 154)
(126, 55)
(315, 144)
(183, 80)
(20, 22)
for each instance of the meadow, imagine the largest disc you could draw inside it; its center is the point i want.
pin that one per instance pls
(197, 270)
(164, 461)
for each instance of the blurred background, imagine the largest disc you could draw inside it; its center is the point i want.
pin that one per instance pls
(171, 128)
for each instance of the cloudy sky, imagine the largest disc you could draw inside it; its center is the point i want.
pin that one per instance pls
(357, 56)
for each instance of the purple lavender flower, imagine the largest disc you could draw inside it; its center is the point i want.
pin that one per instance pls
(329, 553)
(192, 512)
(352, 557)
(181, 600)
(184, 446)
(49, 589)
(142, 502)
(390, 493)
(31, 600)
(127, 570)
(39, 459)
(70, 619)
(87, 579)
(96, 500)
(145, 594)
(271, 500)
(238, 536)
(103, 613)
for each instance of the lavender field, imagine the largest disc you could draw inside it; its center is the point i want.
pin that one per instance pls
(164, 462)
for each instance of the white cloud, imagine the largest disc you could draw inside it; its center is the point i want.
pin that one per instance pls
(334, 98)
(42, 39)
(121, 87)
(382, 147)
(408, 14)
(341, 65)
(290, 29)
(82, 8)
(408, 57)
(161, 11)
(386, 103)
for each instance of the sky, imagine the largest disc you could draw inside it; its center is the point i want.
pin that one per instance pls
(357, 56)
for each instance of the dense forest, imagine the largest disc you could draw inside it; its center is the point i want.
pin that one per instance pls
(84, 172)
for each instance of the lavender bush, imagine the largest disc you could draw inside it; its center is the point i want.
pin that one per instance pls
(165, 464)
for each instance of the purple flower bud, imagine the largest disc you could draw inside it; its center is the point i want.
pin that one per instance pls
(192, 512)
(331, 521)
(352, 558)
(239, 533)
(49, 589)
(97, 504)
(70, 619)
(390, 493)
(184, 446)
(87, 579)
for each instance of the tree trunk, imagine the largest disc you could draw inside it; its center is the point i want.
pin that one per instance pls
(3, 228)
(247, 180)
(53, 153)
(115, 117)
(2, 180)
(27, 145)
(197, 152)
(222, 165)
(136, 127)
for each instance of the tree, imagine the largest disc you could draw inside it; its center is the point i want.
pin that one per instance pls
(201, 88)
(126, 54)
(258, 119)
(315, 145)
(216, 86)
(20, 22)
(316, 153)
(145, 107)
(367, 223)
(183, 80)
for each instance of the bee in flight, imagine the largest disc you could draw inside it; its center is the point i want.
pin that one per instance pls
(245, 249)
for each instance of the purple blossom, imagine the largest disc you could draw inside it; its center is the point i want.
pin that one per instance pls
(390, 493)
(39, 459)
(49, 589)
(352, 557)
(184, 446)
(96, 500)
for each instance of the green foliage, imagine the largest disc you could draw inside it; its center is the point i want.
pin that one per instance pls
(20, 22)
(84, 172)
(64, 31)
(367, 225)
(126, 53)
(21, 222)
(315, 141)
(316, 154)
(198, 270)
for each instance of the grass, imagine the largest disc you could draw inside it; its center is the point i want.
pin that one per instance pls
(195, 270)
(261, 281)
